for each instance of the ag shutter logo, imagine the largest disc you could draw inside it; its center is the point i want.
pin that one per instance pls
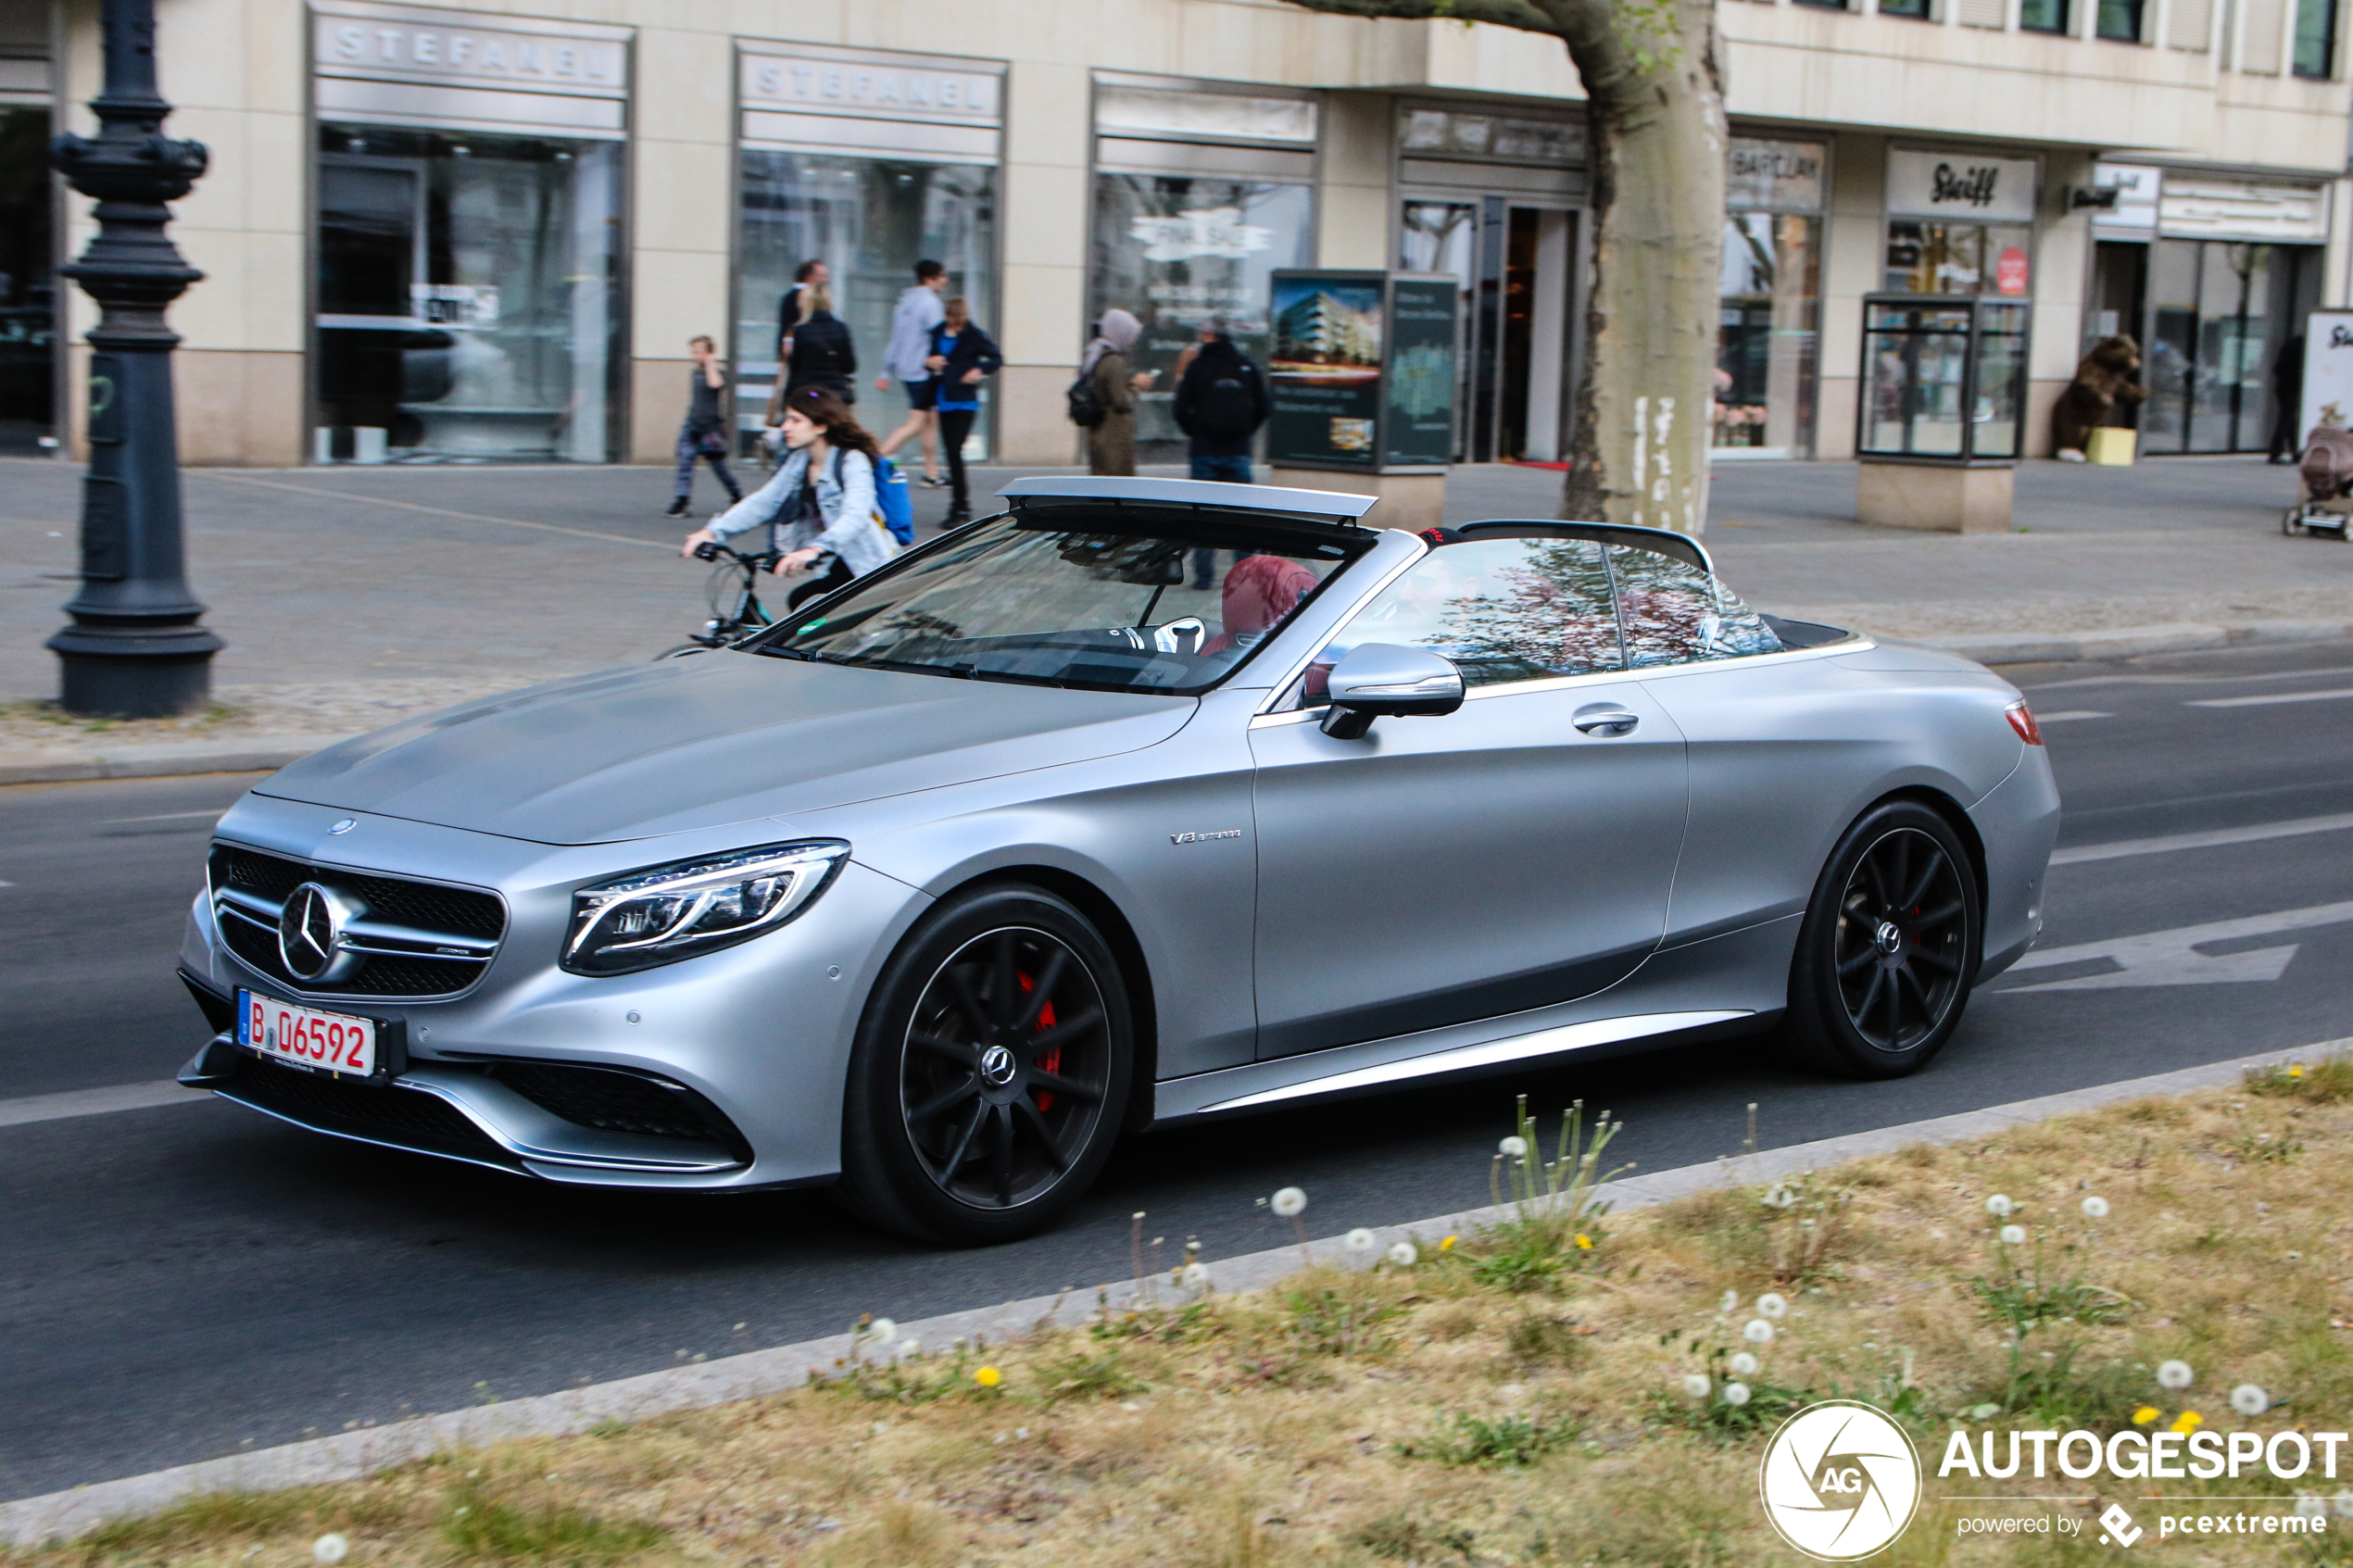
(1840, 1481)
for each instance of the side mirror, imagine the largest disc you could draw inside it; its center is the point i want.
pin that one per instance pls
(1388, 679)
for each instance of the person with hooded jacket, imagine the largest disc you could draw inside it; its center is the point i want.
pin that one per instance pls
(1111, 445)
(1221, 401)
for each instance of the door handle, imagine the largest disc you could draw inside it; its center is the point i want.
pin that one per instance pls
(1608, 720)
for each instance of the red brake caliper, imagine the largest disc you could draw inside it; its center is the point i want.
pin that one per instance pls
(1050, 1061)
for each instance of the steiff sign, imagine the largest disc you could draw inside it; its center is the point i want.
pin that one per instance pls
(1960, 185)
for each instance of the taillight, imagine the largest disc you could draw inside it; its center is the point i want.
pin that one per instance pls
(2021, 718)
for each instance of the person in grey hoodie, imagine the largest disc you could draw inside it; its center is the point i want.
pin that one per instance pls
(916, 314)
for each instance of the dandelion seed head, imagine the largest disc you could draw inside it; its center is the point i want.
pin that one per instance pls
(2174, 1374)
(1999, 1205)
(1196, 1276)
(2309, 1506)
(1360, 1240)
(910, 1348)
(1405, 1255)
(882, 1331)
(2096, 1207)
(1771, 1305)
(1291, 1202)
(2342, 1504)
(1743, 1364)
(1696, 1387)
(1758, 1332)
(1729, 1304)
(2013, 1236)
(1513, 1148)
(1736, 1394)
(2249, 1401)
(330, 1549)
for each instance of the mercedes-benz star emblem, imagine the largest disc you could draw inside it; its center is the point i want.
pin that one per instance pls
(311, 931)
(996, 1065)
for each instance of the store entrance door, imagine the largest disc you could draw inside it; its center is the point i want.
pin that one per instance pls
(1516, 265)
(27, 291)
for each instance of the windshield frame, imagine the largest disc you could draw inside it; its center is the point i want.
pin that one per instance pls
(1293, 534)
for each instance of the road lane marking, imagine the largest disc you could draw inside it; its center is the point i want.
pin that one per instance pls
(2180, 680)
(95, 1102)
(2268, 698)
(2170, 957)
(2123, 847)
(2071, 716)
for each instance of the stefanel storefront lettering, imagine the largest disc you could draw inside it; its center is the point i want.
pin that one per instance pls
(469, 52)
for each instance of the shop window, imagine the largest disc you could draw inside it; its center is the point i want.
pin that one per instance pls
(1825, 5)
(1180, 251)
(1918, 11)
(1925, 255)
(1769, 334)
(2120, 21)
(468, 293)
(2316, 39)
(28, 289)
(2220, 314)
(2042, 16)
(869, 220)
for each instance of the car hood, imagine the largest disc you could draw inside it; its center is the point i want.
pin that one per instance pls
(709, 740)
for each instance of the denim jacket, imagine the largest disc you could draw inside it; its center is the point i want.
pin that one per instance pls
(844, 502)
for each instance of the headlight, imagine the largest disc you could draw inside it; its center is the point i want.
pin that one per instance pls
(666, 914)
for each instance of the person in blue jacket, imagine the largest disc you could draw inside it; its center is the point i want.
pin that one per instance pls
(961, 356)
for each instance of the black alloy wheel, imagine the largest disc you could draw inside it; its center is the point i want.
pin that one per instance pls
(991, 1073)
(1889, 947)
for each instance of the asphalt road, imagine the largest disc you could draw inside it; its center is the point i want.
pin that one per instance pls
(187, 1280)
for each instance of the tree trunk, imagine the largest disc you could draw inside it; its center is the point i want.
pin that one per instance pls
(1645, 399)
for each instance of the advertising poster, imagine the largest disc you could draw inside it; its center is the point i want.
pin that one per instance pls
(1323, 370)
(1420, 386)
(2328, 372)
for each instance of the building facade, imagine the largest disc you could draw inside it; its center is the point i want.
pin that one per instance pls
(485, 229)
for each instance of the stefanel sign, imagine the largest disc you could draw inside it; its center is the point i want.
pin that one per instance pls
(1966, 186)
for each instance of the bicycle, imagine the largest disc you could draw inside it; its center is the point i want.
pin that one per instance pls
(733, 596)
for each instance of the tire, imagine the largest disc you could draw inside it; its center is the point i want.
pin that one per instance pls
(991, 1072)
(1889, 947)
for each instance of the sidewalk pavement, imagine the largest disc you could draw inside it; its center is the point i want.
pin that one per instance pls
(351, 598)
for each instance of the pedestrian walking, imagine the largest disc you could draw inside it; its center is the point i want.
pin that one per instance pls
(1106, 371)
(820, 504)
(961, 355)
(703, 433)
(790, 310)
(823, 355)
(1221, 401)
(912, 321)
(2287, 401)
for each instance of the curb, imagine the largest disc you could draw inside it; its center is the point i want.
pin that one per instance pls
(268, 753)
(2131, 642)
(63, 1515)
(252, 754)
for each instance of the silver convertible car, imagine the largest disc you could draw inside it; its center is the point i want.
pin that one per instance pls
(935, 886)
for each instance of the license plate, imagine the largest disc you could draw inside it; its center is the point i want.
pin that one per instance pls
(333, 1042)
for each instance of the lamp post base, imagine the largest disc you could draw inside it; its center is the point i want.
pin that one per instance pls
(136, 675)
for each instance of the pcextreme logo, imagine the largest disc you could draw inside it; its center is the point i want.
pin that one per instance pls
(1840, 1480)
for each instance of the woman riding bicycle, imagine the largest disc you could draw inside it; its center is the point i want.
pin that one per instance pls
(820, 502)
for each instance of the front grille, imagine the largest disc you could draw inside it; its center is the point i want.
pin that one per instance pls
(249, 887)
(406, 1117)
(619, 1103)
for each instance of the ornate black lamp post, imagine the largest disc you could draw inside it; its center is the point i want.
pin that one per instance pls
(135, 649)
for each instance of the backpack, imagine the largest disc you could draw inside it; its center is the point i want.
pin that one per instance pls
(1086, 410)
(893, 508)
(1226, 407)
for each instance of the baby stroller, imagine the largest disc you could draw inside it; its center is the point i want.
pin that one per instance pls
(2326, 474)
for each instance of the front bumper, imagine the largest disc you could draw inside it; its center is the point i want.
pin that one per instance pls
(721, 1072)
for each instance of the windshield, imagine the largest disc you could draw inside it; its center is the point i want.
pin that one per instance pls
(1101, 597)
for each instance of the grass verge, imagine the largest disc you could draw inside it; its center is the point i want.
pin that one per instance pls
(1573, 1387)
